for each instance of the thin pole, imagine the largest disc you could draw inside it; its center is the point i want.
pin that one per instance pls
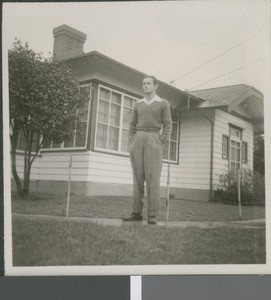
(69, 188)
(168, 182)
(239, 193)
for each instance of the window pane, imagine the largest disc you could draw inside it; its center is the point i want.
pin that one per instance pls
(173, 151)
(166, 149)
(244, 153)
(103, 111)
(34, 146)
(21, 143)
(174, 132)
(116, 98)
(233, 156)
(238, 155)
(83, 115)
(235, 132)
(105, 94)
(115, 115)
(68, 143)
(126, 118)
(113, 138)
(81, 135)
(54, 145)
(46, 144)
(35, 142)
(225, 147)
(128, 102)
(101, 136)
(124, 141)
(233, 166)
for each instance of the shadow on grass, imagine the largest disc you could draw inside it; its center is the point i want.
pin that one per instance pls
(117, 207)
(60, 243)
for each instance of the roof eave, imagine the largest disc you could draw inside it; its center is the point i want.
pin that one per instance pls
(198, 108)
(93, 53)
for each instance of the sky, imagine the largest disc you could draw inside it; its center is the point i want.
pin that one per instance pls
(167, 38)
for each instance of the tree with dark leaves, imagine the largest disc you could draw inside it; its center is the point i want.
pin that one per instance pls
(44, 100)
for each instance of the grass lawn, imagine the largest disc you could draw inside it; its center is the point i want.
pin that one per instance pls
(57, 243)
(54, 242)
(117, 207)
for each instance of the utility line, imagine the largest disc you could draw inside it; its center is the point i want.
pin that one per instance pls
(233, 47)
(253, 62)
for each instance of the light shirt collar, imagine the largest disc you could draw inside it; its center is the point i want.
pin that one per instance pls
(156, 98)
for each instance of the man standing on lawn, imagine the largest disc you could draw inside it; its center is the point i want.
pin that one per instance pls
(150, 127)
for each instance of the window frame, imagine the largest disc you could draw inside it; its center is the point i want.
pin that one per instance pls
(74, 148)
(20, 138)
(244, 157)
(119, 152)
(236, 140)
(123, 94)
(177, 141)
(224, 136)
(236, 162)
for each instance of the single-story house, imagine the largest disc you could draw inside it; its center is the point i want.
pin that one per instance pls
(212, 130)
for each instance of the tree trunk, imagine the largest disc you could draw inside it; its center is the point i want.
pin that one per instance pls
(26, 183)
(27, 163)
(13, 165)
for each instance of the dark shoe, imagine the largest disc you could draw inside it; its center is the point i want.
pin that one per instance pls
(152, 220)
(133, 217)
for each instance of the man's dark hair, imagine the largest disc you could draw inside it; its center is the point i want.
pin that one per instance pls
(154, 79)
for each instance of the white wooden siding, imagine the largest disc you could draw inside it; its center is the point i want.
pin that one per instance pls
(193, 171)
(221, 126)
(87, 166)
(20, 166)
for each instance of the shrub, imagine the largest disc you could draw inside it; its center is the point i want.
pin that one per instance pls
(252, 188)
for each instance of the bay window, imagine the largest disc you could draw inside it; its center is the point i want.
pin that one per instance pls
(79, 139)
(114, 113)
(112, 126)
(21, 145)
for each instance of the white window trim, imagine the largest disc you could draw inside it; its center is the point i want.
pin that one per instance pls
(119, 152)
(246, 152)
(227, 137)
(62, 148)
(110, 151)
(236, 139)
(177, 143)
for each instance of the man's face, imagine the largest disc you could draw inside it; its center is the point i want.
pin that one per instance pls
(148, 86)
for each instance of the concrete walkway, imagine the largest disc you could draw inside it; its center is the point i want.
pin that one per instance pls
(246, 224)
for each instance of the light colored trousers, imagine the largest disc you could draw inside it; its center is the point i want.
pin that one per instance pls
(146, 155)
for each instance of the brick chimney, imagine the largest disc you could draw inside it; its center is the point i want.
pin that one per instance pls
(68, 42)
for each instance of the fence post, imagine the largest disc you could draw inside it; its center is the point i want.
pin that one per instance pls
(239, 193)
(168, 182)
(69, 188)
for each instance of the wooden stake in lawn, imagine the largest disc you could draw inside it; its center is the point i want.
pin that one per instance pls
(239, 193)
(69, 188)
(168, 182)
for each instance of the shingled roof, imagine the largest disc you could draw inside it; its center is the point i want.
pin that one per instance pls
(230, 98)
(221, 96)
